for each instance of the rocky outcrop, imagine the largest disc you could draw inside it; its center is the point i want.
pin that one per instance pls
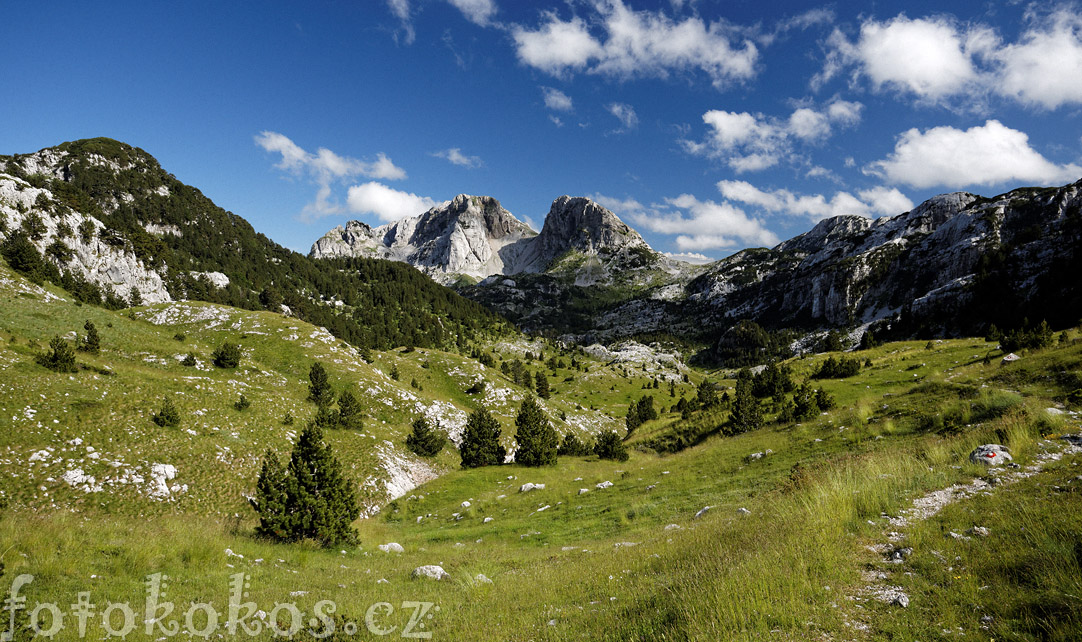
(112, 267)
(474, 236)
(468, 235)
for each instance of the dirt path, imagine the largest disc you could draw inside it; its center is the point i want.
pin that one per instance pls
(885, 559)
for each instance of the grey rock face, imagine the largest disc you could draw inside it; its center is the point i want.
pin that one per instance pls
(476, 237)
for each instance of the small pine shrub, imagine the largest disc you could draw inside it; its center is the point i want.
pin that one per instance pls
(288, 419)
(91, 343)
(572, 446)
(60, 358)
(168, 416)
(227, 355)
(424, 440)
(189, 360)
(319, 387)
(242, 404)
(610, 446)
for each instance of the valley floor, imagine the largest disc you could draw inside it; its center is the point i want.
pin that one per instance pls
(795, 531)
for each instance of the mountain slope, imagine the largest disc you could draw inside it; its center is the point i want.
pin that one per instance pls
(148, 232)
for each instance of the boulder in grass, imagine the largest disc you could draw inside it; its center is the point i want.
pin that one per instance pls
(990, 455)
(528, 486)
(391, 547)
(430, 571)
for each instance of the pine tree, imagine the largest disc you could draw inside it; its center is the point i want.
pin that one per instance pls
(536, 438)
(310, 499)
(707, 395)
(227, 355)
(804, 402)
(92, 342)
(572, 446)
(271, 498)
(349, 411)
(542, 385)
(242, 404)
(481, 441)
(394, 372)
(319, 388)
(168, 415)
(425, 441)
(746, 414)
(610, 446)
(60, 357)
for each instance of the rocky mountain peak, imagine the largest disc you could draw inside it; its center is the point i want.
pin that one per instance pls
(581, 224)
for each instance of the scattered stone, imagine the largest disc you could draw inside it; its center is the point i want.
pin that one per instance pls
(899, 555)
(481, 579)
(486, 520)
(465, 504)
(391, 547)
(528, 486)
(702, 511)
(757, 456)
(673, 527)
(743, 511)
(625, 544)
(583, 491)
(1074, 440)
(901, 600)
(979, 531)
(603, 485)
(430, 571)
(990, 455)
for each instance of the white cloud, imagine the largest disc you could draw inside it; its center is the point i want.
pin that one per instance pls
(694, 258)
(938, 60)
(556, 47)
(325, 168)
(1045, 66)
(990, 154)
(635, 44)
(386, 203)
(751, 142)
(456, 157)
(625, 114)
(702, 225)
(556, 120)
(401, 10)
(557, 100)
(476, 11)
(871, 202)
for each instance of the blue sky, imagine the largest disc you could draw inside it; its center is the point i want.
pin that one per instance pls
(708, 125)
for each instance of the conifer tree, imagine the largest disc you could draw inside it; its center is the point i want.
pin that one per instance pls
(572, 446)
(610, 446)
(309, 499)
(319, 388)
(425, 441)
(349, 411)
(746, 413)
(168, 415)
(227, 355)
(536, 438)
(481, 441)
(542, 385)
(60, 357)
(91, 342)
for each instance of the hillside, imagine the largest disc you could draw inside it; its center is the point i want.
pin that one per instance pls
(113, 226)
(637, 559)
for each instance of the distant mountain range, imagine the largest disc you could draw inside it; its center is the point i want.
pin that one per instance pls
(103, 213)
(955, 263)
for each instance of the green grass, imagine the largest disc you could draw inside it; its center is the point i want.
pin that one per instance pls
(783, 571)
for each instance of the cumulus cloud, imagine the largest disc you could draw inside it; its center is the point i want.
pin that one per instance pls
(989, 154)
(455, 156)
(695, 258)
(476, 11)
(1045, 66)
(386, 203)
(625, 114)
(324, 168)
(939, 60)
(630, 43)
(401, 10)
(557, 100)
(749, 142)
(871, 202)
(696, 224)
